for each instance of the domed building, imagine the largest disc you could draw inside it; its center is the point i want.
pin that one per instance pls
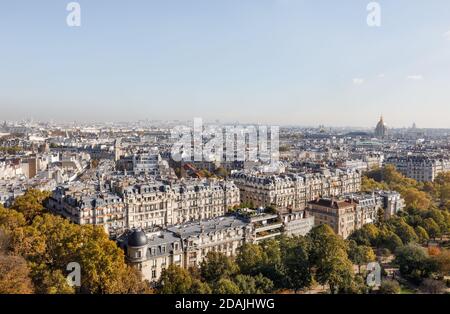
(381, 129)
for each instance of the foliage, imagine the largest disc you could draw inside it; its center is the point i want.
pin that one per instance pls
(226, 286)
(174, 280)
(14, 275)
(328, 256)
(49, 243)
(390, 287)
(31, 204)
(216, 266)
(414, 262)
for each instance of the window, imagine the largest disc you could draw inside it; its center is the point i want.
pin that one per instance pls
(154, 273)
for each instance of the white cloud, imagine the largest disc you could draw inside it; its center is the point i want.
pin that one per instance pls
(447, 35)
(381, 75)
(415, 77)
(358, 81)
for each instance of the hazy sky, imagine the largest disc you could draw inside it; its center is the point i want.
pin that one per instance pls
(273, 61)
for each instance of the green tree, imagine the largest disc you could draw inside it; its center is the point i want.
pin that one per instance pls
(226, 286)
(253, 284)
(199, 287)
(390, 287)
(250, 258)
(414, 263)
(422, 234)
(296, 264)
(174, 280)
(367, 235)
(432, 228)
(360, 254)
(216, 265)
(329, 258)
(405, 232)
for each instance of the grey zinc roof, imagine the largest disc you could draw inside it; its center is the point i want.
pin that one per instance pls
(207, 226)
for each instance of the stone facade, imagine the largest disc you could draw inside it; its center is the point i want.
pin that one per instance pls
(420, 168)
(145, 206)
(187, 245)
(294, 190)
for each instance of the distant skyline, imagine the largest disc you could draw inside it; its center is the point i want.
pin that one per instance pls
(284, 62)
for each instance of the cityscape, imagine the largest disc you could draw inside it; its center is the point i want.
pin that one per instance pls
(220, 149)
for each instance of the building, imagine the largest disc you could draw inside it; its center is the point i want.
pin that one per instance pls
(420, 168)
(95, 208)
(186, 245)
(381, 130)
(340, 215)
(354, 210)
(294, 191)
(146, 205)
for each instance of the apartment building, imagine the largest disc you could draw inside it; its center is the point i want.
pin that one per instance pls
(146, 205)
(353, 211)
(294, 190)
(420, 168)
(188, 244)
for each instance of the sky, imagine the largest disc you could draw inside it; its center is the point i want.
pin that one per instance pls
(285, 62)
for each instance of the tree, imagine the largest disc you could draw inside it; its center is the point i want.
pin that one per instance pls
(405, 232)
(226, 286)
(442, 262)
(390, 240)
(199, 287)
(422, 234)
(414, 263)
(369, 185)
(31, 204)
(14, 275)
(431, 227)
(329, 258)
(221, 172)
(390, 287)
(272, 267)
(49, 243)
(367, 235)
(360, 254)
(174, 280)
(253, 284)
(217, 266)
(250, 258)
(416, 199)
(296, 264)
(432, 286)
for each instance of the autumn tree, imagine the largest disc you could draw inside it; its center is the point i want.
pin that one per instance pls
(31, 204)
(360, 254)
(328, 256)
(14, 275)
